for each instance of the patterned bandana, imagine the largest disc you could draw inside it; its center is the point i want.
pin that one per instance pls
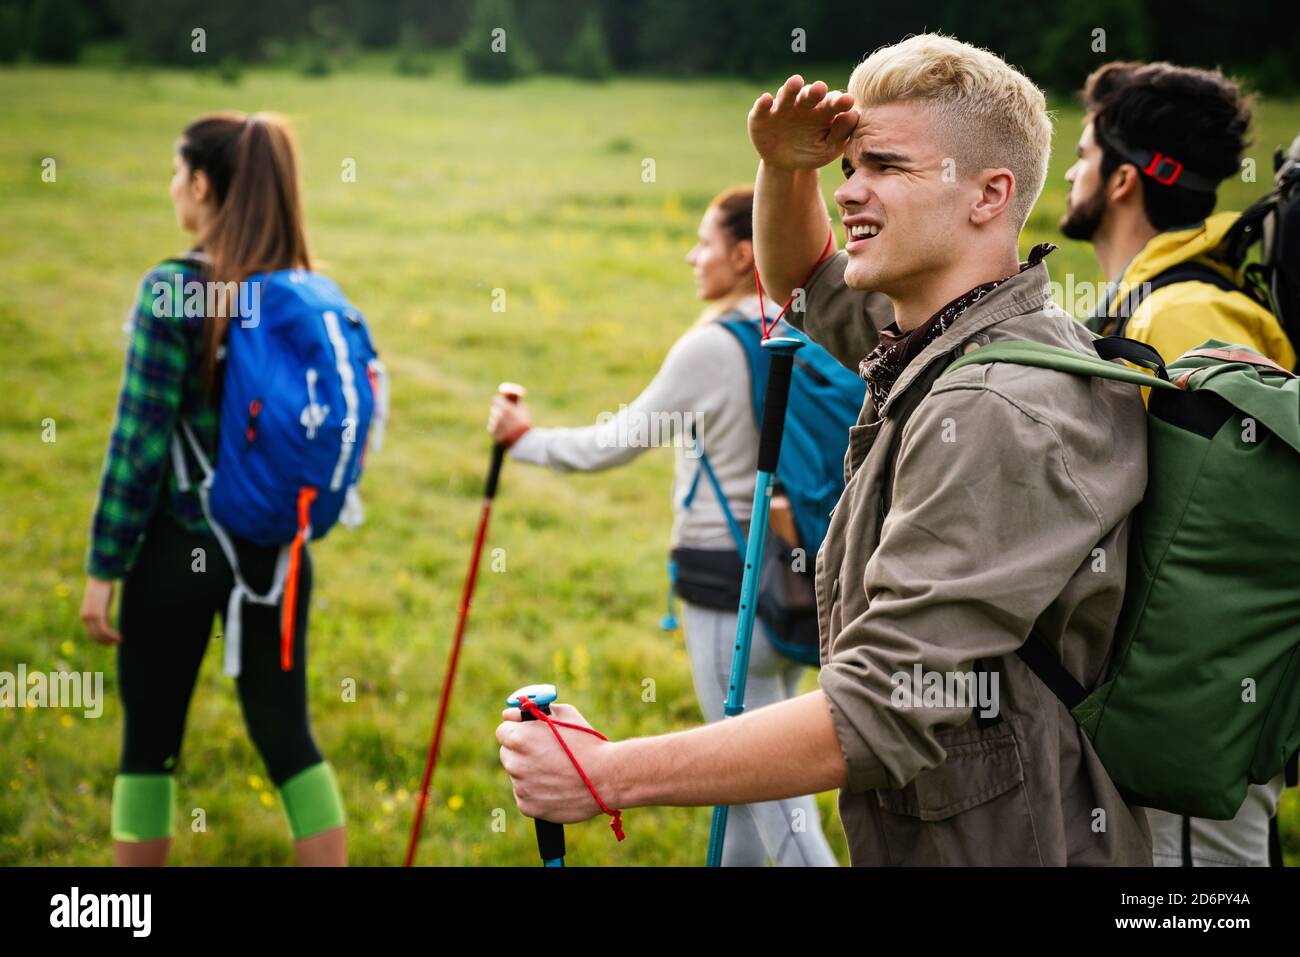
(896, 349)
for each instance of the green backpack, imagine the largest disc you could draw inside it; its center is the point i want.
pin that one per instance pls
(1203, 692)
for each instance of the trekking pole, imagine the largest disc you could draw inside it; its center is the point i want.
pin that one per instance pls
(780, 366)
(550, 836)
(514, 393)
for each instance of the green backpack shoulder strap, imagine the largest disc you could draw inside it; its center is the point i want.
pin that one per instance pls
(1020, 352)
(1215, 366)
(1248, 382)
(1035, 654)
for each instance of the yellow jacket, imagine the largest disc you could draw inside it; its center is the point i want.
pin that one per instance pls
(1183, 315)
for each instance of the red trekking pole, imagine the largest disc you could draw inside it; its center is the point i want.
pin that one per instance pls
(514, 393)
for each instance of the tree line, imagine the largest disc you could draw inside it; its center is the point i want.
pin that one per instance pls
(1057, 44)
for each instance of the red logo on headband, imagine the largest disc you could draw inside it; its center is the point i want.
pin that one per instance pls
(1172, 169)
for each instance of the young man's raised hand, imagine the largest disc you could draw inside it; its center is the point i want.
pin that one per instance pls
(795, 134)
(803, 126)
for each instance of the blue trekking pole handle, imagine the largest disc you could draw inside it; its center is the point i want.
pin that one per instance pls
(780, 367)
(550, 836)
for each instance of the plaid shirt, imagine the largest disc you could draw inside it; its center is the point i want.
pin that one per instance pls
(163, 382)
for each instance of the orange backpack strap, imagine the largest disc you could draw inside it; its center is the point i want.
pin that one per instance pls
(306, 495)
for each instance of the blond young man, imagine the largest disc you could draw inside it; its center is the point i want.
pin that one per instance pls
(962, 536)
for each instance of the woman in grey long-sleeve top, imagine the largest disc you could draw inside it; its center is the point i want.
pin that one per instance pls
(703, 382)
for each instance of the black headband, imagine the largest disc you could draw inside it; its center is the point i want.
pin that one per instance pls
(1162, 168)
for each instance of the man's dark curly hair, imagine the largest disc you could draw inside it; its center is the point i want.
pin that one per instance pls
(1198, 117)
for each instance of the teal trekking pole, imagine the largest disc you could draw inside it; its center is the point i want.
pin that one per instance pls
(550, 836)
(780, 367)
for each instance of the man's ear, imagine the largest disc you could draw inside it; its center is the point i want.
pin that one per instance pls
(1125, 184)
(997, 189)
(742, 255)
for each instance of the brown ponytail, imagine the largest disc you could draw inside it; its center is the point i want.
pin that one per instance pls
(252, 165)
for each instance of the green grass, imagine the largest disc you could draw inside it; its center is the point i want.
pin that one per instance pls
(535, 189)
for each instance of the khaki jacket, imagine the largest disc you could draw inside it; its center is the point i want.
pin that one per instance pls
(1009, 514)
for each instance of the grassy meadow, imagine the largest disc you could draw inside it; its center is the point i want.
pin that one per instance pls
(535, 189)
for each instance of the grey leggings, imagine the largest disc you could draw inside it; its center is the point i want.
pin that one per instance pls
(789, 832)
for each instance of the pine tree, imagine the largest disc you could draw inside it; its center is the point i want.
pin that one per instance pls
(587, 58)
(56, 31)
(493, 48)
(11, 32)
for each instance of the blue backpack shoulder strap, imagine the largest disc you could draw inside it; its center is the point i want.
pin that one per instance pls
(750, 337)
(737, 534)
(824, 402)
(748, 334)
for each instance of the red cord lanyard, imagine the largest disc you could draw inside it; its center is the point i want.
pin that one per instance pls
(767, 329)
(525, 704)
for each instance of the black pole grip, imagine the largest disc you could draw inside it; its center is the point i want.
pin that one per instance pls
(774, 401)
(550, 836)
(513, 393)
(494, 471)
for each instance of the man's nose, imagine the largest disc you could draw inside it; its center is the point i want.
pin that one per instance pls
(852, 192)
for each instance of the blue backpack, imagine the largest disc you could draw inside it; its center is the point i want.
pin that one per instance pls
(825, 399)
(303, 395)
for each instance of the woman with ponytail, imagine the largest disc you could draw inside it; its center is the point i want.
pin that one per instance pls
(235, 189)
(701, 394)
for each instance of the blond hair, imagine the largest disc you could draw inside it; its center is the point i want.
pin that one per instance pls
(987, 112)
